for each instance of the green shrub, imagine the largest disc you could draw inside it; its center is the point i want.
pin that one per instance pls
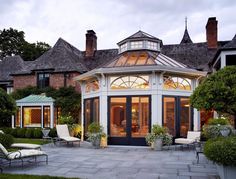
(94, 128)
(6, 140)
(66, 120)
(21, 132)
(158, 130)
(220, 121)
(29, 133)
(37, 133)
(53, 132)
(7, 130)
(221, 150)
(14, 132)
(75, 130)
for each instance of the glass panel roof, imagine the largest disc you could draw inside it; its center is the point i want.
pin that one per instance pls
(133, 59)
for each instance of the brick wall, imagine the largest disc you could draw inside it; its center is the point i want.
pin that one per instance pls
(56, 80)
(23, 81)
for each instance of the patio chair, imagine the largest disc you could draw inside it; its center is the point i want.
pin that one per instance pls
(192, 137)
(64, 135)
(21, 154)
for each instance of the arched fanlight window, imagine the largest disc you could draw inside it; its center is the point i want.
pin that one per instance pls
(171, 82)
(130, 82)
(92, 86)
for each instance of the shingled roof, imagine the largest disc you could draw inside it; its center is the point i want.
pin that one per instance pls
(194, 55)
(10, 65)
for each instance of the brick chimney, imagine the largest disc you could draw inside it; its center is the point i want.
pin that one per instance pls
(211, 32)
(91, 43)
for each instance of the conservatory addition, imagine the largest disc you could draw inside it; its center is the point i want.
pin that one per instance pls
(138, 88)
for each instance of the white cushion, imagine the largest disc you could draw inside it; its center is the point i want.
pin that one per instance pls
(25, 153)
(62, 131)
(1, 132)
(184, 141)
(194, 135)
(70, 139)
(3, 149)
(25, 146)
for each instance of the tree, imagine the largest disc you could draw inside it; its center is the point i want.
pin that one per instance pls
(7, 108)
(217, 92)
(12, 42)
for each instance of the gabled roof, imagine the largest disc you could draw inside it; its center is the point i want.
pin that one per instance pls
(36, 99)
(62, 57)
(140, 35)
(186, 38)
(10, 65)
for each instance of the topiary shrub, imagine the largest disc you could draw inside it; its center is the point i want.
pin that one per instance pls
(7, 130)
(21, 132)
(29, 133)
(53, 132)
(221, 150)
(6, 140)
(37, 133)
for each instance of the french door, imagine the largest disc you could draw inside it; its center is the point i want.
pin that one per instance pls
(129, 120)
(177, 115)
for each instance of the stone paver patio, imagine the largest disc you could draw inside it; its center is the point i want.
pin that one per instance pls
(119, 162)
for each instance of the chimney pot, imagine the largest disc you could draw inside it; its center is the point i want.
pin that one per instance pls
(91, 43)
(211, 32)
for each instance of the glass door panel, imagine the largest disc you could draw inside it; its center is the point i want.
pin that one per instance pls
(87, 107)
(96, 111)
(140, 116)
(118, 120)
(185, 116)
(169, 114)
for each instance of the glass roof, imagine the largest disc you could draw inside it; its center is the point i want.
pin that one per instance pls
(133, 59)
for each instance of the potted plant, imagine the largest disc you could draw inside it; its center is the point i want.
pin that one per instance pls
(158, 137)
(217, 127)
(95, 133)
(222, 151)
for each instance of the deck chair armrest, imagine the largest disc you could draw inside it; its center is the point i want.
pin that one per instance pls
(17, 155)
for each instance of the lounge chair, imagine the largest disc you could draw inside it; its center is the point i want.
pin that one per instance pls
(63, 134)
(24, 145)
(192, 137)
(21, 154)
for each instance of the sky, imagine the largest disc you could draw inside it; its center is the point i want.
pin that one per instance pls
(114, 20)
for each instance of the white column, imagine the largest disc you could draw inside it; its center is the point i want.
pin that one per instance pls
(21, 117)
(154, 100)
(103, 103)
(82, 110)
(196, 114)
(159, 98)
(223, 60)
(12, 121)
(42, 116)
(51, 116)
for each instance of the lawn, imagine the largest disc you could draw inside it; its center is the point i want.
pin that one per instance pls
(16, 176)
(30, 141)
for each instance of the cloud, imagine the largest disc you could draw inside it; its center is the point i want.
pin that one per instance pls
(115, 20)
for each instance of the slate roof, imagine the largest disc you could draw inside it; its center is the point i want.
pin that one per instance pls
(36, 99)
(231, 44)
(10, 65)
(140, 35)
(194, 55)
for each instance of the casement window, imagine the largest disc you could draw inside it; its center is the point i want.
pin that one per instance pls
(43, 80)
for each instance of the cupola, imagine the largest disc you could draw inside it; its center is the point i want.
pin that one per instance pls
(140, 41)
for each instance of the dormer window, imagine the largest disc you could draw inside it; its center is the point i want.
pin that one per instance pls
(152, 45)
(136, 45)
(123, 47)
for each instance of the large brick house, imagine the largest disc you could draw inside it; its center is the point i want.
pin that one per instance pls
(65, 65)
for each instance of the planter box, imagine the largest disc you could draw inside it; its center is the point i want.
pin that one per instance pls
(158, 144)
(226, 172)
